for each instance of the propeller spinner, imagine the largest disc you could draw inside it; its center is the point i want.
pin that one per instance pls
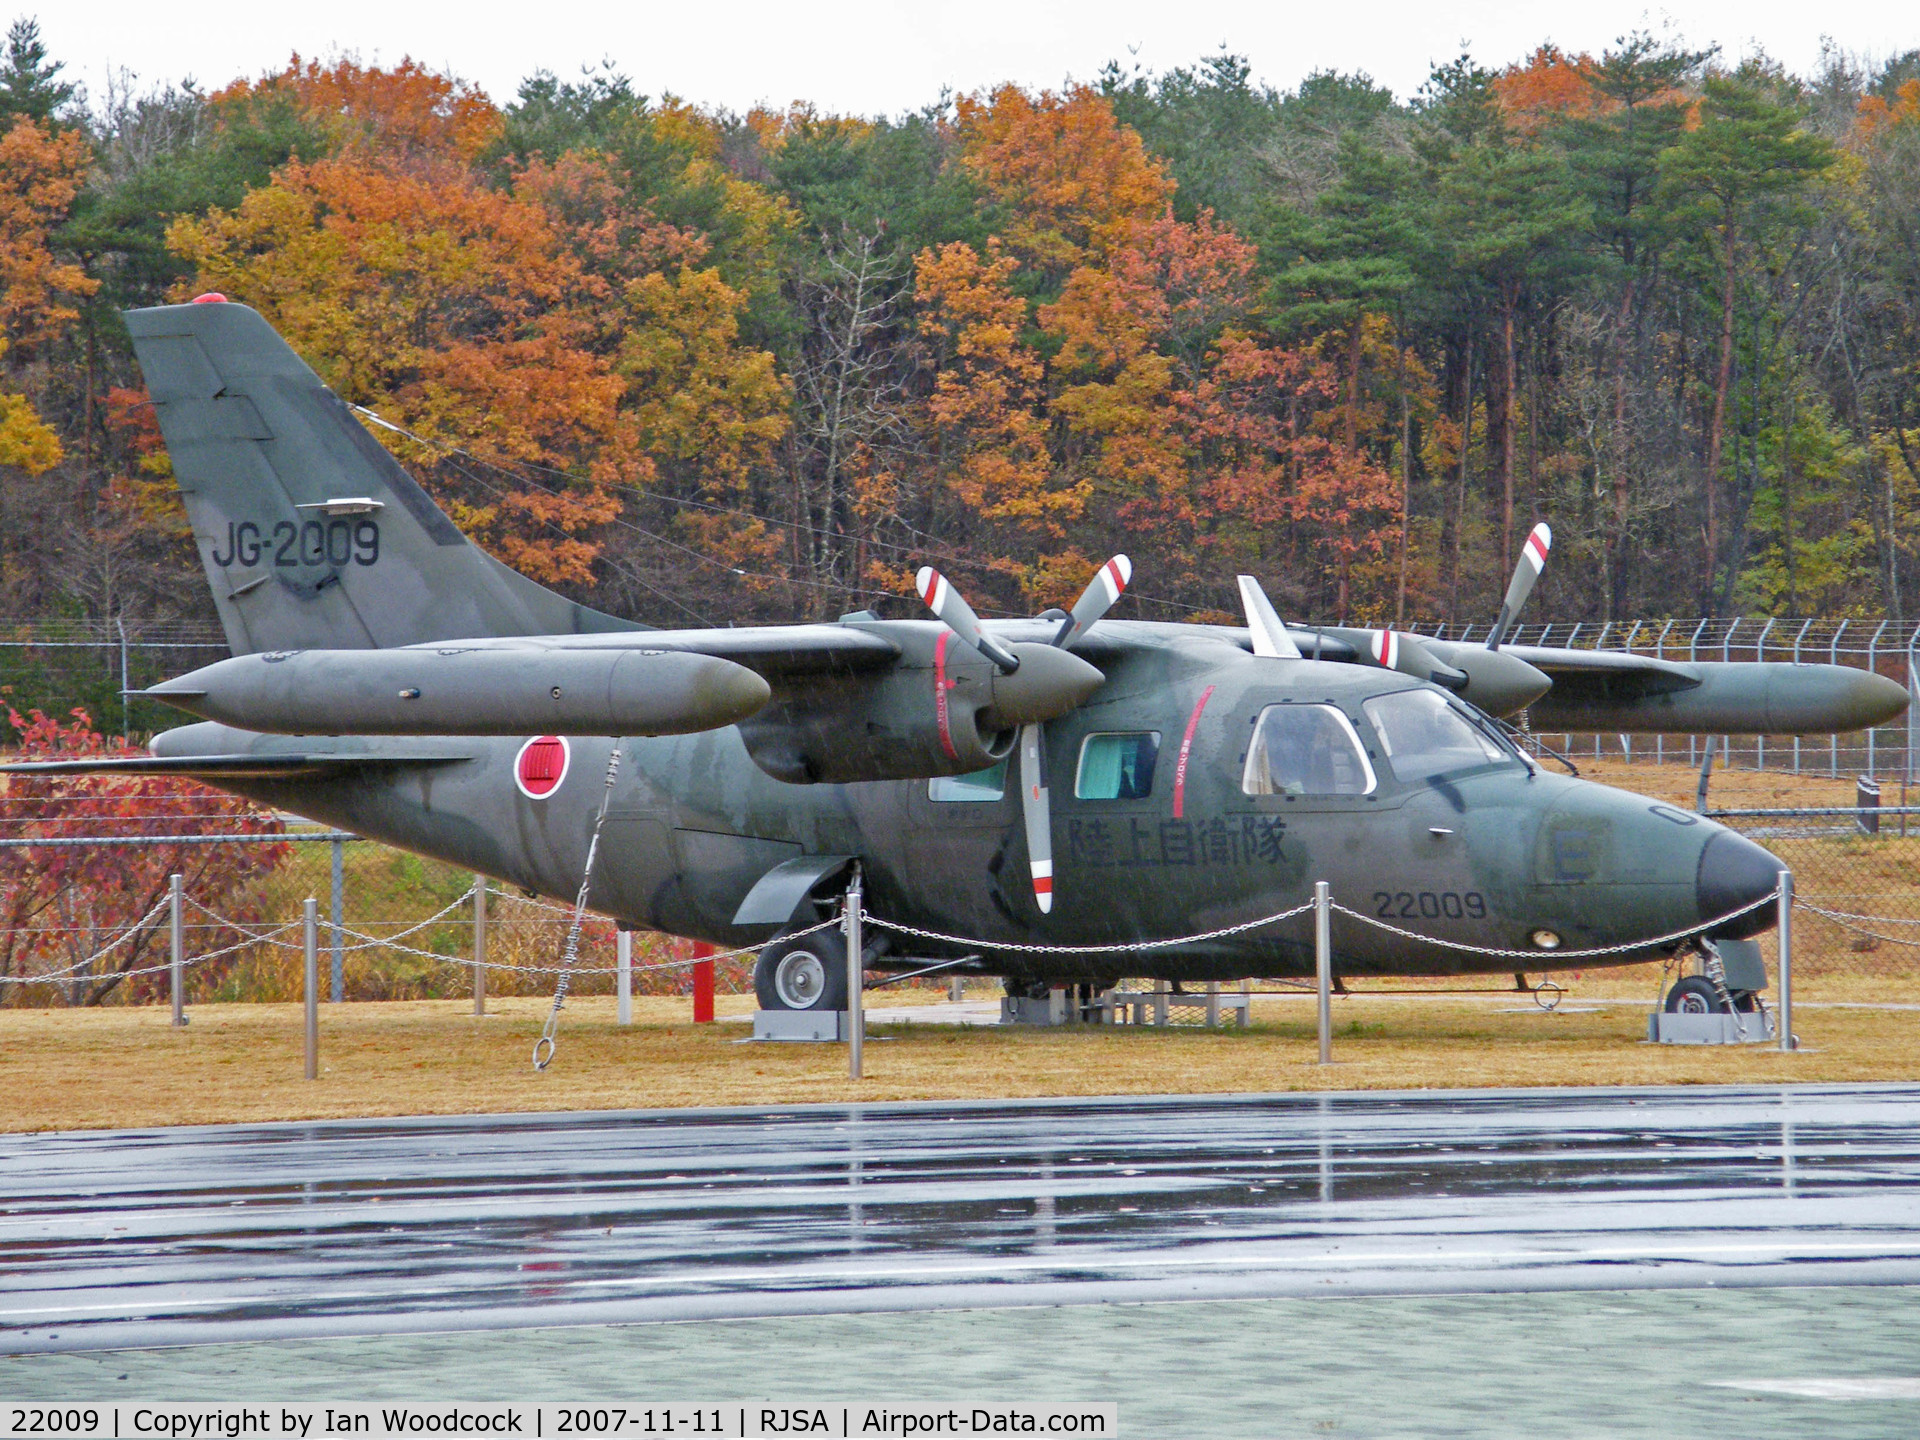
(1036, 805)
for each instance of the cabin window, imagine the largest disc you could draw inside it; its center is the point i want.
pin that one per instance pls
(1117, 766)
(1306, 750)
(987, 784)
(1425, 735)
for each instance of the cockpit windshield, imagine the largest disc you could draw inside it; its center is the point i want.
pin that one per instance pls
(1425, 735)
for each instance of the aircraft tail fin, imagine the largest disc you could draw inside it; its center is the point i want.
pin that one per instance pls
(312, 535)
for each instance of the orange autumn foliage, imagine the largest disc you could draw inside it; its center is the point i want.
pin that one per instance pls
(41, 173)
(1875, 116)
(406, 113)
(1204, 432)
(1073, 176)
(985, 407)
(477, 318)
(1550, 84)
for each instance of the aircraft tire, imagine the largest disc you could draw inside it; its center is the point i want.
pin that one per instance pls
(805, 973)
(1694, 995)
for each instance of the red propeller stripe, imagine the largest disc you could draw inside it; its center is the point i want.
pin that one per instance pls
(1536, 550)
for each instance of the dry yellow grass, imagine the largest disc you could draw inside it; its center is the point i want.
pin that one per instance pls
(128, 1067)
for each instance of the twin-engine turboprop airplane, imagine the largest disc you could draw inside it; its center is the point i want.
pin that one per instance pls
(389, 677)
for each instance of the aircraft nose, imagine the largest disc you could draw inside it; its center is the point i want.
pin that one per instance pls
(1735, 872)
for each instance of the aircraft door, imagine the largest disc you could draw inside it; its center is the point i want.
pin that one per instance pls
(960, 840)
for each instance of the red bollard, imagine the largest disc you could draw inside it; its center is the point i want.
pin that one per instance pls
(702, 984)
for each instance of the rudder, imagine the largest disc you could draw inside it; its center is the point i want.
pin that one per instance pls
(311, 534)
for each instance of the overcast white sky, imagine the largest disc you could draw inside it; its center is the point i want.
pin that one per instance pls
(886, 56)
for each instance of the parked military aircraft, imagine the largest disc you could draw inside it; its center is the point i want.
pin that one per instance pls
(391, 678)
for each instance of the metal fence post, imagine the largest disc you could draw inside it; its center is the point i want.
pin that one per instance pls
(337, 914)
(856, 978)
(1785, 923)
(310, 950)
(177, 948)
(479, 944)
(1323, 964)
(126, 699)
(623, 965)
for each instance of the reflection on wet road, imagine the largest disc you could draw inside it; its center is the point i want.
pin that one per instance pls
(370, 1227)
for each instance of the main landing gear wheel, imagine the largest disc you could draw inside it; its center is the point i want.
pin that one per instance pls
(1696, 995)
(805, 973)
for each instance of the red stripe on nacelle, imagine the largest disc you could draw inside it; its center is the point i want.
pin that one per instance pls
(940, 694)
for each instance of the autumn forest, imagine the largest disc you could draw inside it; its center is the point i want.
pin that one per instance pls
(695, 366)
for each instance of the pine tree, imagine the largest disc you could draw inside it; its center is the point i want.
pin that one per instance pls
(30, 86)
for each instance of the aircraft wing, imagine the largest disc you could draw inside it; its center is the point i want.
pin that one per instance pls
(1611, 674)
(1612, 690)
(227, 767)
(772, 651)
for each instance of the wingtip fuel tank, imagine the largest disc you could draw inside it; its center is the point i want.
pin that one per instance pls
(454, 690)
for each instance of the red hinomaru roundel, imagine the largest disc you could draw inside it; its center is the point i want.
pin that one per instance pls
(542, 765)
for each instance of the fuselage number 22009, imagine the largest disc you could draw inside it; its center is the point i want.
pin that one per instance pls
(1429, 905)
(312, 542)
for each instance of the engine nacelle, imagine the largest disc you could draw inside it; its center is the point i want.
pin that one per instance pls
(941, 709)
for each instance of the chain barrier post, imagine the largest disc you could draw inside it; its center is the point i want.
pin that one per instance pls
(1786, 959)
(1323, 965)
(177, 948)
(856, 977)
(479, 944)
(310, 952)
(337, 914)
(702, 983)
(623, 975)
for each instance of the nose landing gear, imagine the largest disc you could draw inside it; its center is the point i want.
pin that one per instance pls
(1713, 1006)
(1698, 995)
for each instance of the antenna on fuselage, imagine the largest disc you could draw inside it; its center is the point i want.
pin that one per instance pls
(1270, 637)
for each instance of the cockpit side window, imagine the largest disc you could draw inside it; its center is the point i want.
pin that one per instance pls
(1424, 735)
(1306, 750)
(1117, 766)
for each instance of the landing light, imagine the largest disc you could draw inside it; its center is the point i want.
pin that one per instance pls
(1545, 940)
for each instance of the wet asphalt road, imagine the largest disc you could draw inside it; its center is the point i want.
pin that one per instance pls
(159, 1237)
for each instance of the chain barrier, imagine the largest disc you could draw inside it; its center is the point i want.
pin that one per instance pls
(1128, 947)
(80, 965)
(1846, 922)
(1124, 948)
(467, 964)
(185, 962)
(1671, 937)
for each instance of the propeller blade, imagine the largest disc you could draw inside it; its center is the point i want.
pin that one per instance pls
(1533, 559)
(1269, 635)
(952, 608)
(1103, 591)
(1037, 810)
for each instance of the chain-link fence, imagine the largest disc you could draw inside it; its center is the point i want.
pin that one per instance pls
(54, 665)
